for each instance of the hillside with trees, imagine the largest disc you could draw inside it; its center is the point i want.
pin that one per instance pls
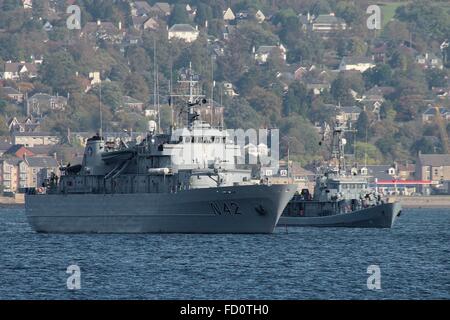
(296, 87)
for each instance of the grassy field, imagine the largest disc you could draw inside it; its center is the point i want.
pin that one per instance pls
(388, 10)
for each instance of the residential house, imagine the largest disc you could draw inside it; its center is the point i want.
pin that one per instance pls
(103, 31)
(305, 21)
(429, 61)
(27, 4)
(300, 72)
(132, 104)
(386, 179)
(20, 71)
(9, 174)
(318, 86)
(264, 52)
(441, 92)
(217, 50)
(348, 113)
(47, 26)
(183, 32)
(433, 167)
(28, 125)
(12, 94)
(94, 78)
(259, 16)
(228, 89)
(31, 139)
(326, 23)
(379, 52)
(192, 12)
(360, 64)
(161, 9)
(138, 21)
(151, 112)
(242, 15)
(87, 83)
(38, 170)
(145, 23)
(430, 114)
(140, 8)
(212, 112)
(16, 173)
(228, 31)
(151, 24)
(372, 100)
(406, 171)
(4, 146)
(41, 103)
(19, 151)
(228, 15)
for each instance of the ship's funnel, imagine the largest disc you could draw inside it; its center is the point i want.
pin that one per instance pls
(92, 160)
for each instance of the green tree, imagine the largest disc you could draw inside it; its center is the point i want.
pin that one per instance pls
(138, 60)
(366, 152)
(349, 12)
(178, 15)
(341, 86)
(136, 87)
(380, 75)
(362, 125)
(239, 114)
(9, 5)
(436, 78)
(425, 145)
(303, 138)
(267, 104)
(204, 13)
(111, 95)
(58, 71)
(4, 130)
(426, 18)
(296, 100)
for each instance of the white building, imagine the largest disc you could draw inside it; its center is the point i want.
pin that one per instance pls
(259, 16)
(228, 15)
(263, 53)
(360, 64)
(325, 23)
(183, 32)
(31, 139)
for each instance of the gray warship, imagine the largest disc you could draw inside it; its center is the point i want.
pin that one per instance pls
(185, 181)
(340, 198)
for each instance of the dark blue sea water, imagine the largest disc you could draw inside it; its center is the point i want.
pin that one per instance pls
(305, 263)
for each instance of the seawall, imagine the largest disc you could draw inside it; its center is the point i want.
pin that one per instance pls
(17, 200)
(437, 202)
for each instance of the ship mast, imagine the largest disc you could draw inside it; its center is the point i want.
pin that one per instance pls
(193, 99)
(338, 146)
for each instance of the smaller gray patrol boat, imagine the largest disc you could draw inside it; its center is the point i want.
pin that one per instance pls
(340, 199)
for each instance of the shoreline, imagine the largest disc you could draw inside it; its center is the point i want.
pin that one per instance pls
(416, 202)
(423, 202)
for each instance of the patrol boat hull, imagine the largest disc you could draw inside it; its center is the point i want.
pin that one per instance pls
(380, 216)
(234, 209)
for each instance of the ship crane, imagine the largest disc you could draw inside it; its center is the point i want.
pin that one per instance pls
(442, 130)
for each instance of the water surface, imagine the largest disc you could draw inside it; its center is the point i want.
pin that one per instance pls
(297, 263)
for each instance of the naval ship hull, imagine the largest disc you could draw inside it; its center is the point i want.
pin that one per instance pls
(235, 209)
(380, 216)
